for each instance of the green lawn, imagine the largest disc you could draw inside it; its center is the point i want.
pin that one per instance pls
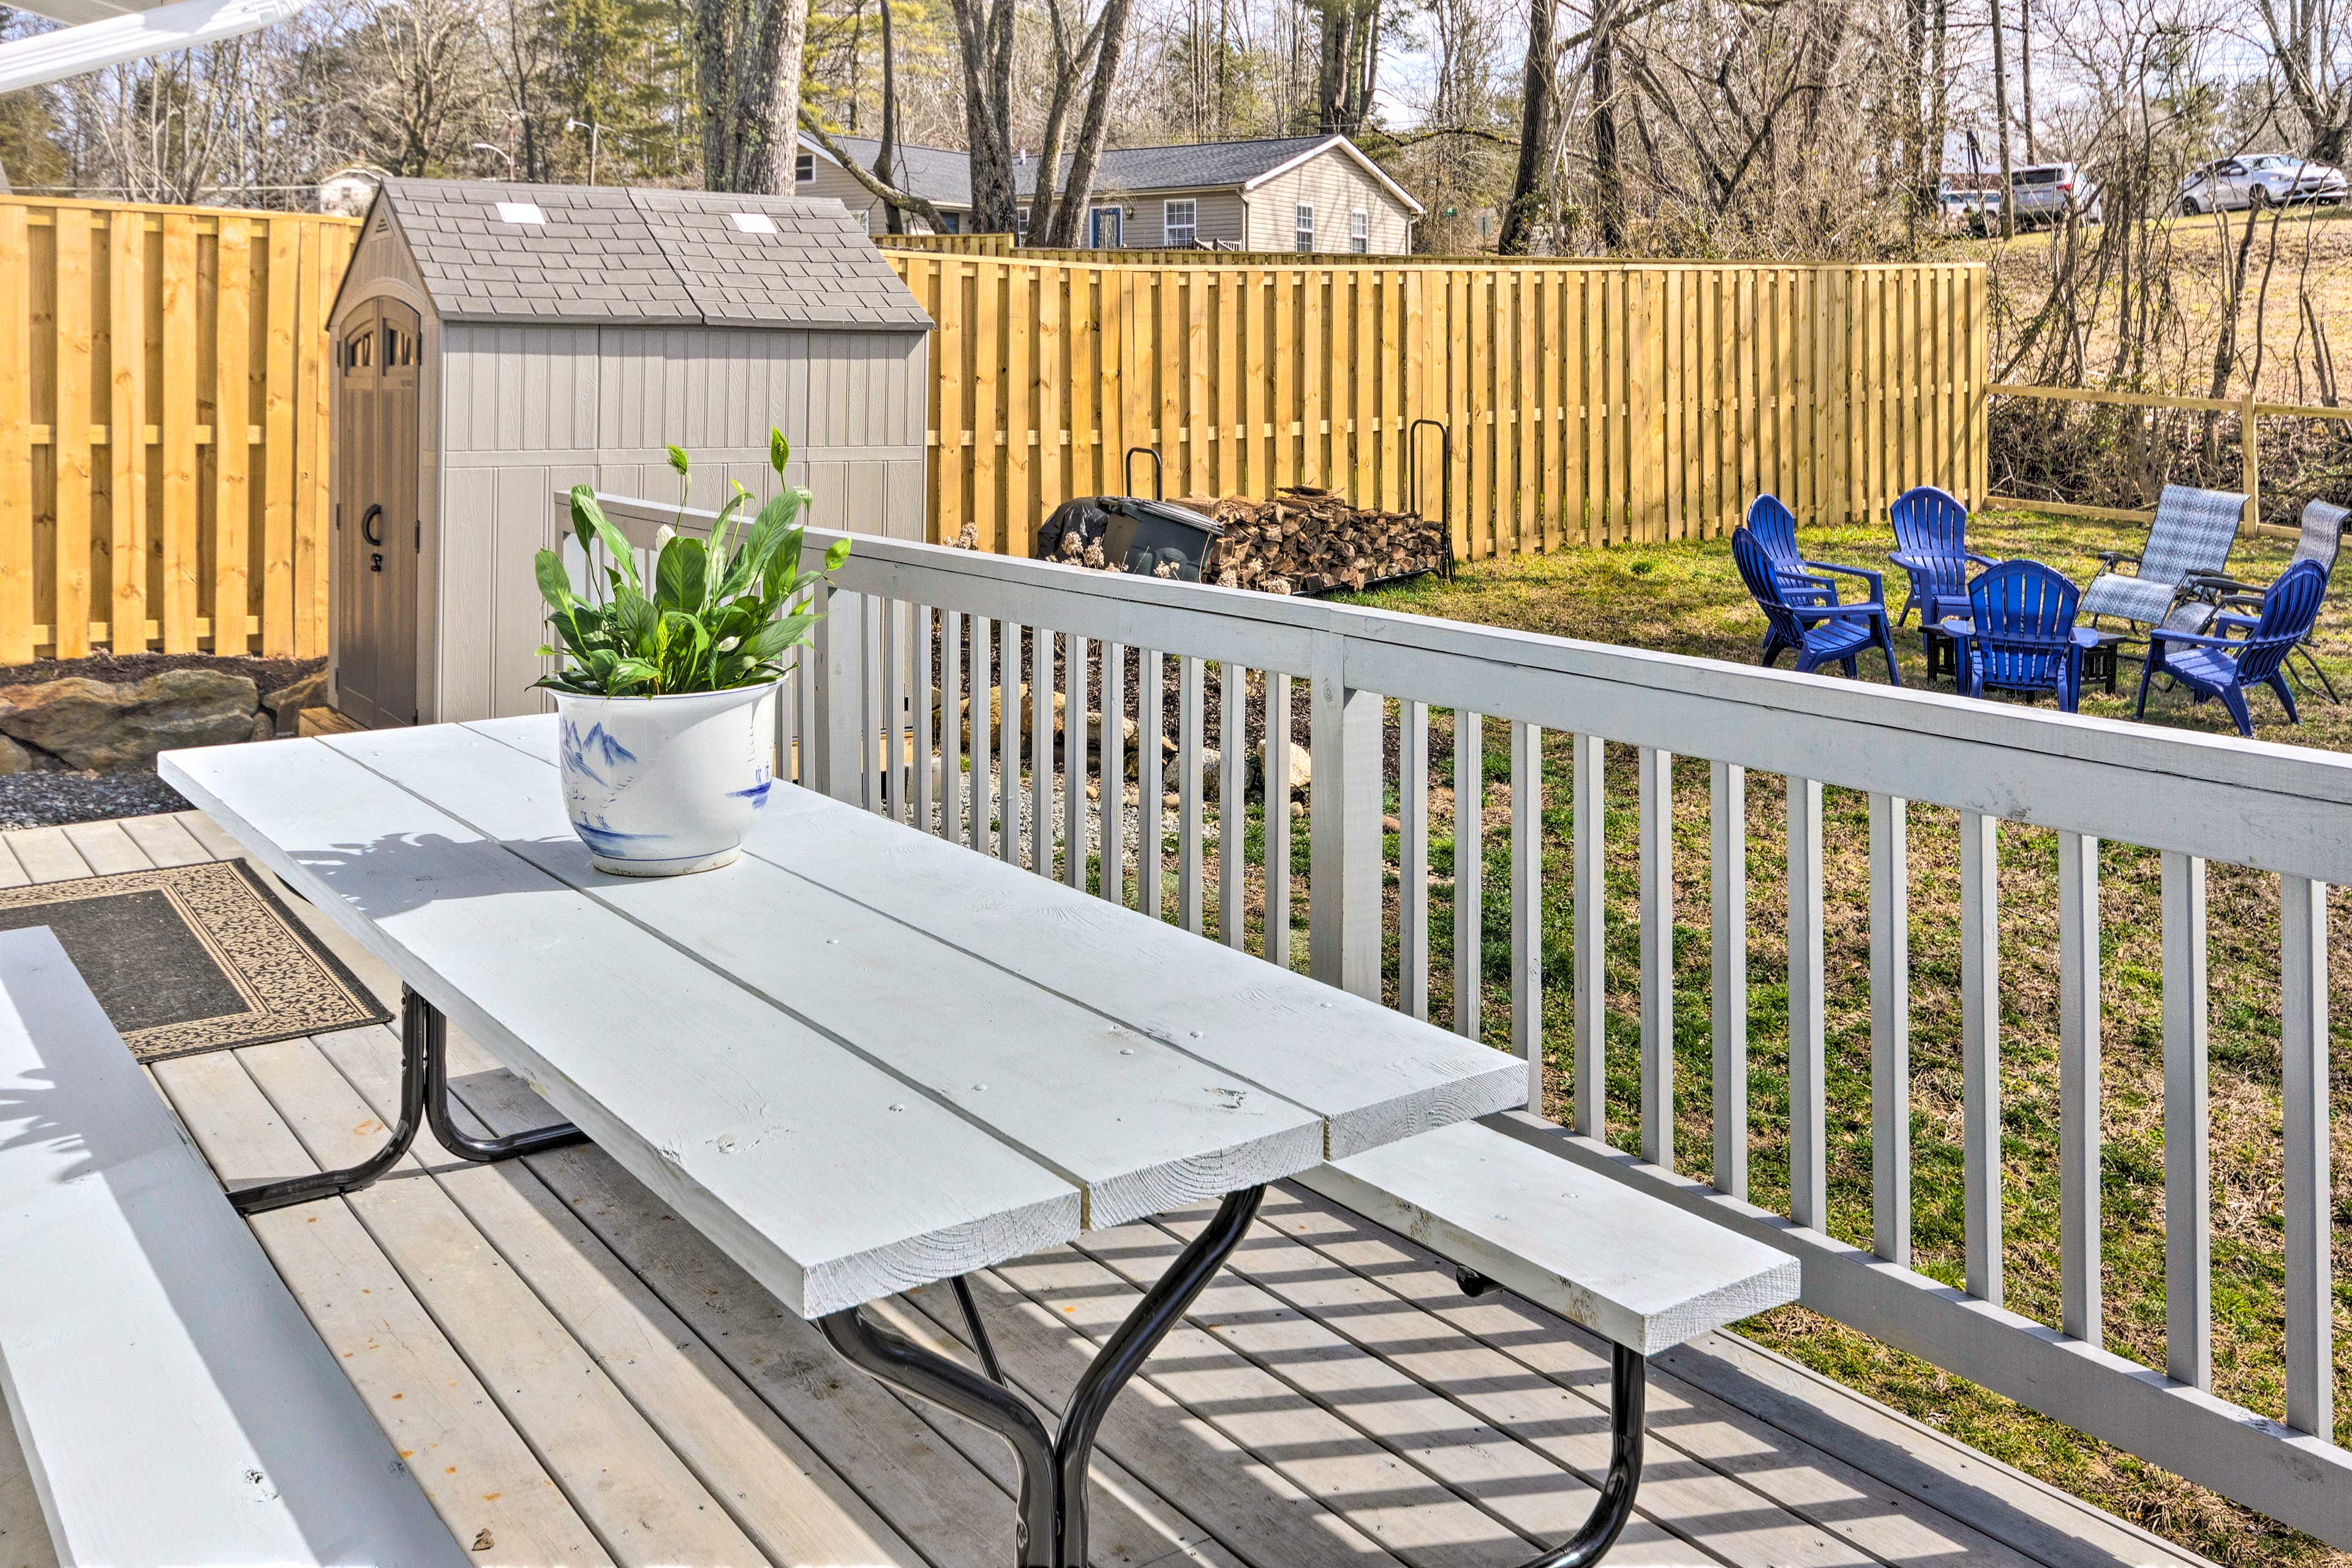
(1688, 599)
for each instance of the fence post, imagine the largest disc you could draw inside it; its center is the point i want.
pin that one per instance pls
(2250, 467)
(1343, 914)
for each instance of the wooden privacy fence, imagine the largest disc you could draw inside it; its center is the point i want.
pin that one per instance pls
(164, 407)
(1585, 403)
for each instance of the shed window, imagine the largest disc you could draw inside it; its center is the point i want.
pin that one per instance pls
(1181, 223)
(521, 211)
(1306, 226)
(1359, 232)
(804, 168)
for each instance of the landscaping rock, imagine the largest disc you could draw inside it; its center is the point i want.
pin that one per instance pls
(265, 728)
(13, 758)
(284, 703)
(90, 724)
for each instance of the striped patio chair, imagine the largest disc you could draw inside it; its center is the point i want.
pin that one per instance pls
(2192, 533)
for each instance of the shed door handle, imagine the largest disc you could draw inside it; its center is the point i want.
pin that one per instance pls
(368, 529)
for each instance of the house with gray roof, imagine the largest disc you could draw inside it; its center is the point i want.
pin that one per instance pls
(494, 344)
(1288, 193)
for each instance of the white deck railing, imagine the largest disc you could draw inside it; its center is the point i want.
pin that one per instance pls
(2193, 797)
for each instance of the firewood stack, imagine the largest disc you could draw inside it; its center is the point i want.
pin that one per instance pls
(1309, 540)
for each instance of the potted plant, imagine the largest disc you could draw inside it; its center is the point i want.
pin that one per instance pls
(667, 692)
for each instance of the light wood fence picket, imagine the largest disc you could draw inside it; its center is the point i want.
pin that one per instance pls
(1587, 403)
(163, 408)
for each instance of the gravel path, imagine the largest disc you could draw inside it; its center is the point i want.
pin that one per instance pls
(50, 800)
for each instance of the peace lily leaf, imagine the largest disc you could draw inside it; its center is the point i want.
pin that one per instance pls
(720, 609)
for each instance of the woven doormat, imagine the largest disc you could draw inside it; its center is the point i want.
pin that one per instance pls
(194, 958)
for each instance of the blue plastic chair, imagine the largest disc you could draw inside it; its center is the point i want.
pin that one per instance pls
(1807, 588)
(1819, 635)
(2024, 637)
(1931, 545)
(2225, 667)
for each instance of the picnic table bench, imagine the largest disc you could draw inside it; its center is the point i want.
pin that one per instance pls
(174, 1404)
(863, 1059)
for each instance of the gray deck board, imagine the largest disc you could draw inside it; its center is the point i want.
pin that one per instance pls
(1333, 1401)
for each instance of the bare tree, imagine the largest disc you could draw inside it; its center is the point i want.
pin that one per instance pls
(984, 33)
(1077, 185)
(1534, 131)
(2307, 43)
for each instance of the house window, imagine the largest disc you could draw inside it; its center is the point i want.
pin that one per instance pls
(1180, 225)
(804, 168)
(1021, 225)
(1306, 226)
(955, 222)
(1359, 232)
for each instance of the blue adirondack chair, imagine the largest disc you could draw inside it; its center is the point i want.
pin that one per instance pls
(2224, 666)
(1931, 545)
(2024, 637)
(1807, 587)
(1831, 634)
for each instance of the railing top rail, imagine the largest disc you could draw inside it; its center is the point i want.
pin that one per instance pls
(2278, 807)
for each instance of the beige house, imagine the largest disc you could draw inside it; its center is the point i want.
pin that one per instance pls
(1290, 192)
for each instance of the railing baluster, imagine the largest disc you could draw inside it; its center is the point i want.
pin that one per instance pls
(788, 718)
(811, 673)
(890, 792)
(1190, 701)
(2187, 1202)
(873, 630)
(2079, 1312)
(1041, 752)
(1527, 905)
(1807, 1098)
(923, 695)
(1890, 1028)
(1344, 913)
(1413, 859)
(1277, 818)
(1656, 844)
(1233, 825)
(983, 777)
(1469, 870)
(1111, 820)
(1590, 1003)
(951, 726)
(2309, 1207)
(1008, 743)
(1073, 761)
(1727, 1012)
(1150, 861)
(1981, 1052)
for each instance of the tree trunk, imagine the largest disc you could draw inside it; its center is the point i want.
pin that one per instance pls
(894, 221)
(2001, 121)
(1608, 180)
(1535, 135)
(1077, 189)
(748, 77)
(984, 33)
(2025, 73)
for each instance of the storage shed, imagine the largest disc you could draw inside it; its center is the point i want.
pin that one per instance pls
(497, 343)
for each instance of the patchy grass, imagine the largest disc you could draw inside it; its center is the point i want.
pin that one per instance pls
(1688, 599)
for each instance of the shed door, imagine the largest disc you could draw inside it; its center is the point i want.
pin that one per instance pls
(376, 523)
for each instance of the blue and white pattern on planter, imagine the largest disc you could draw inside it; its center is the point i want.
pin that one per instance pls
(656, 786)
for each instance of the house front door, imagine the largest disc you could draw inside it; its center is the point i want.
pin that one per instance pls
(1107, 228)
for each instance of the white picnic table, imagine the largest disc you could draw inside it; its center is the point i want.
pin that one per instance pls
(860, 1059)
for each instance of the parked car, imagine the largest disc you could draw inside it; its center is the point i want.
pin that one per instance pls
(2260, 180)
(2045, 192)
(1962, 211)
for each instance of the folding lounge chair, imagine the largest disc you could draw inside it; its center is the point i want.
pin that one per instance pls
(2192, 533)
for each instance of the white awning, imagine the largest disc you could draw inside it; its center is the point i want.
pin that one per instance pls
(106, 33)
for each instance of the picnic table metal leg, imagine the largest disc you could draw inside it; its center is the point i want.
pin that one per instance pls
(481, 1151)
(424, 1100)
(902, 1363)
(1628, 1401)
(1053, 1469)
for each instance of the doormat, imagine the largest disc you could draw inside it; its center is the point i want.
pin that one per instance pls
(194, 958)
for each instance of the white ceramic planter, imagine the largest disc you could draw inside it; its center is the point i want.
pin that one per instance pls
(658, 786)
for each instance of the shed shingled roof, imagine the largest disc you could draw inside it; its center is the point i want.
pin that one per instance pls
(615, 256)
